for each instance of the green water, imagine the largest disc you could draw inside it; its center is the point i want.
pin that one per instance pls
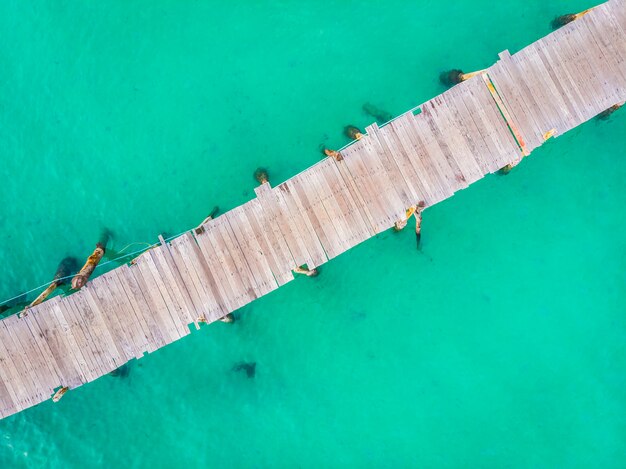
(500, 344)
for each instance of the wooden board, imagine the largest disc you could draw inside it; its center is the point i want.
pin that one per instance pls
(288, 204)
(271, 240)
(251, 254)
(210, 293)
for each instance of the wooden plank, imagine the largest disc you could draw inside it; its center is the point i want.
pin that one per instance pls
(558, 80)
(451, 143)
(599, 61)
(276, 253)
(451, 177)
(32, 370)
(61, 349)
(173, 301)
(358, 198)
(62, 312)
(414, 157)
(101, 295)
(89, 317)
(399, 148)
(7, 404)
(102, 330)
(89, 346)
(107, 318)
(43, 375)
(610, 40)
(352, 158)
(466, 127)
(211, 294)
(606, 60)
(324, 201)
(12, 375)
(180, 306)
(216, 266)
(215, 247)
(137, 331)
(57, 372)
(501, 134)
(279, 218)
(580, 71)
(143, 309)
(403, 187)
(384, 188)
(28, 382)
(138, 328)
(287, 202)
(190, 278)
(257, 260)
(537, 111)
(303, 193)
(618, 9)
(235, 261)
(347, 206)
(550, 112)
(168, 263)
(500, 146)
(271, 240)
(158, 308)
(503, 77)
(325, 195)
(559, 61)
(564, 112)
(362, 166)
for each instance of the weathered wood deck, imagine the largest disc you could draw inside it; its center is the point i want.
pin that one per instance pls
(458, 137)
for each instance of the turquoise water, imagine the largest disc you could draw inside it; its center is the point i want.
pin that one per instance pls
(500, 344)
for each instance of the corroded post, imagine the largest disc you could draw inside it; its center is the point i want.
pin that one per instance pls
(456, 76)
(81, 278)
(335, 155)
(65, 268)
(306, 271)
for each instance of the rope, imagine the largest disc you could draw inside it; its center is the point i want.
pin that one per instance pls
(102, 264)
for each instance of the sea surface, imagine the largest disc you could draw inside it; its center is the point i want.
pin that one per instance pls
(501, 343)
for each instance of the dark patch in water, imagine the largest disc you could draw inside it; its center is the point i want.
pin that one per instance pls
(358, 315)
(450, 78)
(249, 368)
(122, 372)
(380, 115)
(15, 304)
(560, 21)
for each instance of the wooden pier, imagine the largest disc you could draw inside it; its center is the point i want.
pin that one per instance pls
(426, 154)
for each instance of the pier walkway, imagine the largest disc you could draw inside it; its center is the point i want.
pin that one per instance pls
(426, 154)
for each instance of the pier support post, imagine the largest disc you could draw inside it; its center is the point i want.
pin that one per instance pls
(415, 210)
(200, 229)
(607, 112)
(66, 267)
(335, 155)
(456, 76)
(229, 318)
(81, 278)
(306, 271)
(261, 175)
(353, 132)
(549, 134)
(566, 19)
(59, 394)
